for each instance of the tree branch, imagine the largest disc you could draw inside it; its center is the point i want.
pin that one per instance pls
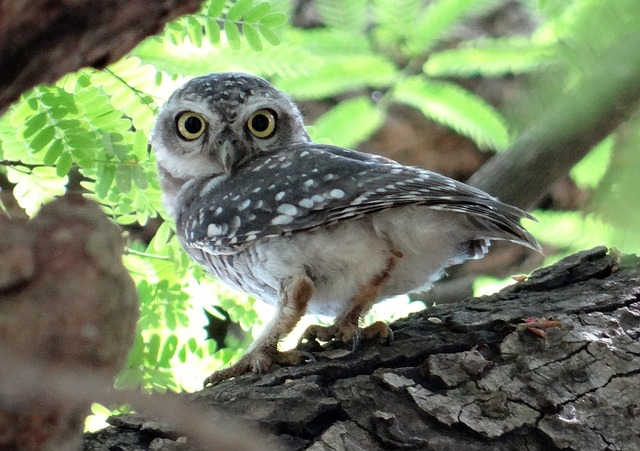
(473, 375)
(564, 131)
(41, 40)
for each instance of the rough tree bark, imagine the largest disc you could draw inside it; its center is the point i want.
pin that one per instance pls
(474, 375)
(41, 40)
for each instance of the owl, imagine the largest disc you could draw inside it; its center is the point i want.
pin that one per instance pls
(306, 227)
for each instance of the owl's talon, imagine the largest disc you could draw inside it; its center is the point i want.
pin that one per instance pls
(316, 333)
(292, 357)
(259, 362)
(390, 338)
(347, 334)
(379, 329)
(310, 357)
(356, 340)
(258, 367)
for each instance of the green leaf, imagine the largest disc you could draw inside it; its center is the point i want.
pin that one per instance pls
(32, 189)
(438, 19)
(457, 108)
(54, 151)
(273, 20)
(258, 12)
(194, 30)
(123, 178)
(252, 37)
(174, 32)
(239, 8)
(168, 350)
(140, 146)
(161, 238)
(83, 156)
(140, 177)
(182, 354)
(489, 58)
(569, 230)
(43, 138)
(350, 16)
(349, 123)
(391, 20)
(106, 175)
(233, 35)
(34, 124)
(269, 35)
(81, 141)
(589, 171)
(63, 165)
(57, 97)
(153, 349)
(213, 32)
(58, 113)
(23, 110)
(215, 8)
(335, 63)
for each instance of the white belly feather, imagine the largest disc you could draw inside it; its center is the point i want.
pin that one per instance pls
(343, 258)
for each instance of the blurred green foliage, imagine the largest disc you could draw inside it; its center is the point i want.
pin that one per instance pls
(364, 54)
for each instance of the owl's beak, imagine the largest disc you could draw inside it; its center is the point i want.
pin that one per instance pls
(227, 156)
(230, 156)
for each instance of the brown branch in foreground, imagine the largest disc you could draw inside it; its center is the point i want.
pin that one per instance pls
(41, 40)
(65, 300)
(29, 387)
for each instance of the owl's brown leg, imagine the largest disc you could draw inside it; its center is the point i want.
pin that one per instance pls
(295, 293)
(346, 327)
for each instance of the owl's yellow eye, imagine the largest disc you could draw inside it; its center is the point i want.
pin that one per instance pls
(262, 123)
(190, 125)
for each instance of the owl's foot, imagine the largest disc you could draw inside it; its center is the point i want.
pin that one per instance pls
(347, 333)
(346, 327)
(295, 293)
(258, 361)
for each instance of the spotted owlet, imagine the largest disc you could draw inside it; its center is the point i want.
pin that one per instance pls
(309, 228)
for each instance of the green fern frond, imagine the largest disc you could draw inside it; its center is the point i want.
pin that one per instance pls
(241, 20)
(489, 58)
(126, 84)
(457, 108)
(348, 16)
(176, 60)
(349, 123)
(35, 187)
(391, 18)
(335, 62)
(437, 20)
(330, 78)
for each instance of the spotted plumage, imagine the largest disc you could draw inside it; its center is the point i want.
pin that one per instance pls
(304, 226)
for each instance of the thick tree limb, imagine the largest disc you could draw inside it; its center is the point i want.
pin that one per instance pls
(471, 375)
(66, 301)
(41, 40)
(565, 130)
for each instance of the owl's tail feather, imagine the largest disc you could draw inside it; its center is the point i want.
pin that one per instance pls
(502, 222)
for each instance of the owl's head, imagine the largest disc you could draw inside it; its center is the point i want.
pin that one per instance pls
(215, 123)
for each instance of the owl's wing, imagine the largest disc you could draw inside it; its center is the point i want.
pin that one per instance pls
(307, 186)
